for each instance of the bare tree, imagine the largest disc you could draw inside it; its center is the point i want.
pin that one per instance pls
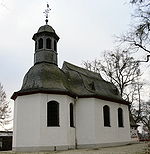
(145, 118)
(138, 37)
(119, 68)
(142, 115)
(4, 108)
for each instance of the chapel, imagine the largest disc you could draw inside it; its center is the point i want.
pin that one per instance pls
(66, 108)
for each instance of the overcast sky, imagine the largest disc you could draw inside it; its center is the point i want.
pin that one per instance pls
(85, 27)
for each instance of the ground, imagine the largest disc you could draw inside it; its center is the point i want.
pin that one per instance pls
(140, 148)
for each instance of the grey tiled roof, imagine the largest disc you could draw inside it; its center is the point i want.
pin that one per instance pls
(46, 28)
(71, 80)
(85, 83)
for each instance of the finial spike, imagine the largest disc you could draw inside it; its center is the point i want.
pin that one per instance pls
(46, 12)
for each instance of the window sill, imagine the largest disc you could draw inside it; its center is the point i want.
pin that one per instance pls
(107, 126)
(72, 126)
(53, 126)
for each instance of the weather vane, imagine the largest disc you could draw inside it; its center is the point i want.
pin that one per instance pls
(46, 12)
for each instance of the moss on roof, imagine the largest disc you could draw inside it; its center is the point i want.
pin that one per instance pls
(44, 75)
(46, 28)
(71, 80)
(85, 83)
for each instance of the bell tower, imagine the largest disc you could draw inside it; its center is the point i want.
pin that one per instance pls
(45, 43)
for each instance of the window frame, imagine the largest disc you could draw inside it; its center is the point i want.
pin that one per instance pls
(48, 43)
(106, 116)
(40, 43)
(71, 109)
(53, 114)
(120, 117)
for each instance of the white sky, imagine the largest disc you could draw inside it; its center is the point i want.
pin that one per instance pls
(85, 27)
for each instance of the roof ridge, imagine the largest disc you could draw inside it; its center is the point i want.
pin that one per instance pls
(80, 70)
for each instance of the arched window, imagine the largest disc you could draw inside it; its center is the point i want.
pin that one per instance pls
(40, 43)
(55, 45)
(106, 115)
(48, 43)
(52, 113)
(120, 117)
(71, 116)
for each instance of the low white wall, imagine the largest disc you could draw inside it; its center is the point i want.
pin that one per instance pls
(55, 136)
(113, 133)
(26, 121)
(30, 122)
(90, 123)
(31, 131)
(85, 121)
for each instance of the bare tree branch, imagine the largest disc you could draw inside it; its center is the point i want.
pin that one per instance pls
(4, 108)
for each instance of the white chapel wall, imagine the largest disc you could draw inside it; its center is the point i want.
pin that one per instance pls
(30, 125)
(58, 136)
(90, 123)
(85, 121)
(113, 133)
(30, 122)
(27, 121)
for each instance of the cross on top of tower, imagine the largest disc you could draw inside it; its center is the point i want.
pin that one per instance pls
(46, 12)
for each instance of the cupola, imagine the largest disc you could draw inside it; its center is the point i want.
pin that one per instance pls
(45, 45)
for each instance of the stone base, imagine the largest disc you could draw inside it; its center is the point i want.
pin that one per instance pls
(69, 147)
(102, 145)
(43, 148)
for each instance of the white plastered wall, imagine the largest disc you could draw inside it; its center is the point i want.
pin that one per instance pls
(57, 136)
(30, 122)
(85, 123)
(90, 124)
(113, 133)
(26, 121)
